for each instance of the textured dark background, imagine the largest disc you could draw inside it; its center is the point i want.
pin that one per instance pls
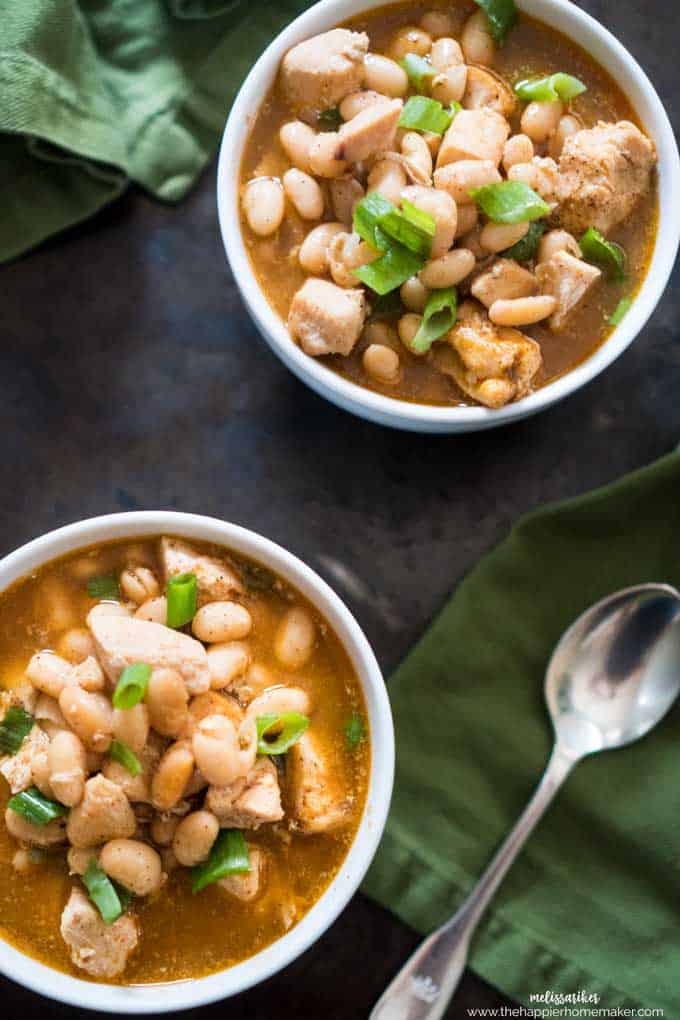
(131, 377)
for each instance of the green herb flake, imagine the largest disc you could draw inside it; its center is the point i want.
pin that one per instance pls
(14, 729)
(527, 246)
(620, 311)
(125, 756)
(420, 113)
(355, 731)
(608, 255)
(229, 856)
(104, 587)
(102, 892)
(330, 120)
(501, 15)
(419, 71)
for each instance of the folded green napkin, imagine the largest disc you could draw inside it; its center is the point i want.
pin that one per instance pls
(97, 93)
(592, 904)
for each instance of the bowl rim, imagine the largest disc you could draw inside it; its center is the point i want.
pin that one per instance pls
(188, 993)
(599, 42)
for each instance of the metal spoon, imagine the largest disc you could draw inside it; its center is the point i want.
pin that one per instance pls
(613, 676)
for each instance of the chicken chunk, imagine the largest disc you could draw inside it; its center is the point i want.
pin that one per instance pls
(604, 171)
(541, 174)
(486, 89)
(122, 640)
(325, 318)
(567, 279)
(369, 132)
(320, 71)
(19, 769)
(216, 580)
(319, 801)
(249, 803)
(98, 948)
(248, 884)
(492, 364)
(503, 281)
(104, 813)
(474, 134)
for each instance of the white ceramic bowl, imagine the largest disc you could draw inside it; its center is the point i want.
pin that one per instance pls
(593, 37)
(187, 994)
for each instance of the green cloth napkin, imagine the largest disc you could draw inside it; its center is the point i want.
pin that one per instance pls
(97, 93)
(592, 904)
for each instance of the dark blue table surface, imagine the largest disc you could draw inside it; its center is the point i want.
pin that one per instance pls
(131, 377)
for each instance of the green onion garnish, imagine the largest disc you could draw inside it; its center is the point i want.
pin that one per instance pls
(229, 856)
(354, 730)
(395, 267)
(549, 90)
(620, 311)
(105, 587)
(438, 318)
(181, 592)
(418, 69)
(330, 120)
(276, 734)
(421, 113)
(131, 686)
(14, 729)
(608, 255)
(367, 214)
(102, 892)
(501, 15)
(125, 756)
(410, 226)
(35, 808)
(510, 202)
(526, 247)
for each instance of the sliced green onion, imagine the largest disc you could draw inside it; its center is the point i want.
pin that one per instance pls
(526, 247)
(105, 587)
(501, 15)
(410, 226)
(510, 202)
(229, 856)
(606, 254)
(419, 70)
(125, 756)
(438, 318)
(181, 592)
(14, 729)
(102, 892)
(330, 120)
(355, 731)
(421, 113)
(35, 808)
(620, 311)
(367, 214)
(276, 734)
(131, 686)
(548, 90)
(397, 265)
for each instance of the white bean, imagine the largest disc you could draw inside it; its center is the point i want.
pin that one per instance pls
(89, 715)
(49, 673)
(448, 86)
(305, 194)
(139, 584)
(355, 102)
(103, 609)
(222, 752)
(39, 835)
(437, 23)
(295, 638)
(296, 138)
(221, 621)
(445, 53)
(66, 757)
(407, 327)
(154, 610)
(76, 645)
(499, 236)
(382, 364)
(540, 120)
(345, 193)
(414, 294)
(410, 39)
(476, 40)
(416, 149)
(131, 726)
(380, 333)
(167, 702)
(522, 311)
(468, 217)
(194, 837)
(517, 149)
(442, 207)
(322, 158)
(172, 775)
(136, 865)
(313, 253)
(89, 675)
(347, 252)
(459, 178)
(568, 125)
(557, 240)
(385, 76)
(448, 270)
(226, 662)
(389, 178)
(279, 700)
(163, 828)
(264, 205)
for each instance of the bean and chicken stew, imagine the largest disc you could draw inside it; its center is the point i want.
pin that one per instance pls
(461, 200)
(185, 758)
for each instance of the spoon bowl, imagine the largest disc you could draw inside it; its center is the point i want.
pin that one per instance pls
(616, 670)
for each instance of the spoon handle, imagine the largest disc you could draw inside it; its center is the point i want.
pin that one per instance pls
(423, 987)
